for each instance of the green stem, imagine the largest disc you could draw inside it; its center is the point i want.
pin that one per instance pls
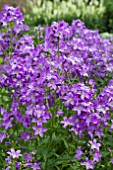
(58, 53)
(58, 48)
(46, 163)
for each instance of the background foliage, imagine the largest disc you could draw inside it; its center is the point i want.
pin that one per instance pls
(91, 12)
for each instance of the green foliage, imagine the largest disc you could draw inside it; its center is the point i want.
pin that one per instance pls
(1, 60)
(96, 14)
(46, 11)
(108, 16)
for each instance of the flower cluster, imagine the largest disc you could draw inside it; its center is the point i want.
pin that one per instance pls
(55, 78)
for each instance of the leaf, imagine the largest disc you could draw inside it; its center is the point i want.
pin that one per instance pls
(61, 160)
(65, 143)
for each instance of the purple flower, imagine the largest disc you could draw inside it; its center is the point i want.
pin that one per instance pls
(65, 122)
(34, 166)
(88, 164)
(25, 136)
(59, 112)
(17, 164)
(97, 156)
(8, 143)
(28, 157)
(111, 161)
(109, 149)
(79, 153)
(10, 14)
(94, 145)
(7, 159)
(2, 136)
(111, 128)
(14, 154)
(39, 130)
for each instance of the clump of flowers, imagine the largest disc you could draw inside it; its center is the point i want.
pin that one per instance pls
(56, 95)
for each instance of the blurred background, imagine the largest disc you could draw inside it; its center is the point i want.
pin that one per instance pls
(97, 14)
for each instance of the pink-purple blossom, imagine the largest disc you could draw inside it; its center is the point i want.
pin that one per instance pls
(14, 154)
